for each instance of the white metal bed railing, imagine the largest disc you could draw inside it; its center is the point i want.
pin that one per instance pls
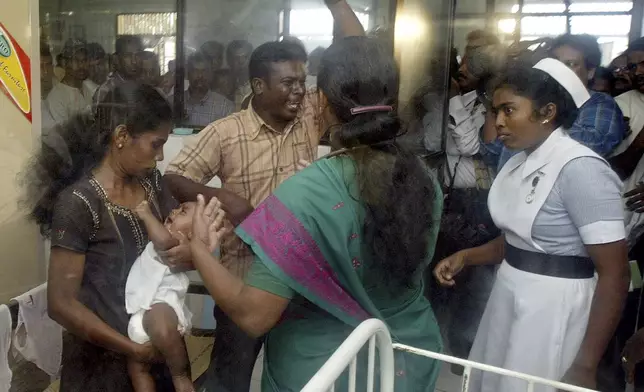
(377, 334)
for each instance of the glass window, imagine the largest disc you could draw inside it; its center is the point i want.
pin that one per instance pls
(314, 26)
(159, 29)
(541, 7)
(470, 7)
(612, 32)
(600, 25)
(506, 6)
(533, 27)
(601, 6)
(506, 28)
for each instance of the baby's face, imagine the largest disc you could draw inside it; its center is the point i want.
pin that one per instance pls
(180, 219)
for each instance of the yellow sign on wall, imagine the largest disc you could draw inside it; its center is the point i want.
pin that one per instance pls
(15, 72)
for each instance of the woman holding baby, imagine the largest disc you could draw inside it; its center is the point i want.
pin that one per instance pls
(84, 188)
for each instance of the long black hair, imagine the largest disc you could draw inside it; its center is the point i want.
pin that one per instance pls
(542, 89)
(395, 185)
(71, 150)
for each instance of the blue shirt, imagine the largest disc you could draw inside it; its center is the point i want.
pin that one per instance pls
(599, 126)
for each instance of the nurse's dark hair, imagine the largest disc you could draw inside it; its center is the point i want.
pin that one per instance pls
(394, 184)
(71, 150)
(541, 89)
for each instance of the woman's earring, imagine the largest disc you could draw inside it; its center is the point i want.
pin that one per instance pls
(120, 146)
(544, 122)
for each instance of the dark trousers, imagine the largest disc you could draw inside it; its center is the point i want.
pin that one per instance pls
(610, 375)
(459, 309)
(232, 359)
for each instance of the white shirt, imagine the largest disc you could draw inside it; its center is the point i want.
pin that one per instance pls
(467, 116)
(90, 86)
(65, 101)
(632, 105)
(47, 119)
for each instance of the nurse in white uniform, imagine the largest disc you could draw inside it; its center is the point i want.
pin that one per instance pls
(564, 275)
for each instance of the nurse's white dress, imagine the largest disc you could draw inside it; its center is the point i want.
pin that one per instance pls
(533, 323)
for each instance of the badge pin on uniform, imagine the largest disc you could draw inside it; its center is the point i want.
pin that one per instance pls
(535, 181)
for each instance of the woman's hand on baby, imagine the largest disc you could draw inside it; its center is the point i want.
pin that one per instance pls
(146, 353)
(179, 258)
(208, 223)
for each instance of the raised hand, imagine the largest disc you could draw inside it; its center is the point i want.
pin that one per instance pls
(448, 268)
(217, 229)
(208, 223)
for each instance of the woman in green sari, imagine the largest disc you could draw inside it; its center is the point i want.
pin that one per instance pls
(344, 240)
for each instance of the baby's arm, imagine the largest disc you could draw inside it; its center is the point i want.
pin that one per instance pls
(158, 234)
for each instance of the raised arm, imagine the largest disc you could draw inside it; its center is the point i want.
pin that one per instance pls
(253, 310)
(184, 189)
(345, 21)
(197, 163)
(158, 234)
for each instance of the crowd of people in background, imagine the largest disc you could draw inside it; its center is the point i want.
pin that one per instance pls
(82, 73)
(543, 118)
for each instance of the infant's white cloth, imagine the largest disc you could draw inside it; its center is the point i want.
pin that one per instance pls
(151, 282)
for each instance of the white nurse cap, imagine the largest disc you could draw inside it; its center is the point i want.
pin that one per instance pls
(566, 78)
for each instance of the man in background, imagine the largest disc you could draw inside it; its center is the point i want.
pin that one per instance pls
(98, 67)
(150, 70)
(629, 153)
(478, 38)
(202, 105)
(46, 85)
(168, 79)
(237, 55)
(214, 51)
(223, 83)
(126, 65)
(619, 67)
(71, 96)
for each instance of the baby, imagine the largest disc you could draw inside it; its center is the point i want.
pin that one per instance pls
(155, 297)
